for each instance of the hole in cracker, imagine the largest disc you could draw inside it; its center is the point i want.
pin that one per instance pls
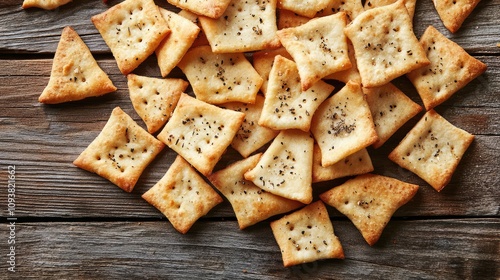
(84, 80)
(98, 157)
(157, 93)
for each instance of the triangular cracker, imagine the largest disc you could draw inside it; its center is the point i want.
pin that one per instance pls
(209, 8)
(319, 47)
(450, 70)
(410, 5)
(307, 8)
(154, 99)
(351, 7)
(287, 19)
(220, 78)
(250, 203)
(44, 4)
(132, 30)
(286, 105)
(286, 166)
(432, 149)
(251, 136)
(369, 201)
(200, 132)
(355, 164)
(343, 125)
(384, 44)
(245, 26)
(351, 74)
(454, 12)
(75, 74)
(183, 33)
(121, 152)
(182, 195)
(307, 235)
(263, 63)
(390, 108)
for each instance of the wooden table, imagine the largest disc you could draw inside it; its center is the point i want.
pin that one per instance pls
(73, 224)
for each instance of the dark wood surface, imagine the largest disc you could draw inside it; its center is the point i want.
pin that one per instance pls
(73, 224)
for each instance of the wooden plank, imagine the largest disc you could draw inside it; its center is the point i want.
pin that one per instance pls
(423, 249)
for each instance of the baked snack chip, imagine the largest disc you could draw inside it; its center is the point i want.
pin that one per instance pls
(75, 74)
(454, 12)
(44, 4)
(121, 152)
(384, 44)
(288, 19)
(450, 70)
(432, 149)
(369, 201)
(154, 99)
(307, 8)
(182, 195)
(209, 8)
(200, 132)
(410, 5)
(263, 63)
(132, 30)
(307, 235)
(250, 203)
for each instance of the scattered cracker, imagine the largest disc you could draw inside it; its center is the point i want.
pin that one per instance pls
(307, 235)
(182, 195)
(384, 44)
(75, 74)
(409, 4)
(351, 7)
(351, 74)
(220, 78)
(132, 30)
(121, 152)
(286, 105)
(263, 63)
(454, 12)
(245, 26)
(432, 149)
(369, 201)
(450, 70)
(209, 8)
(154, 99)
(307, 8)
(200, 132)
(343, 125)
(355, 164)
(201, 39)
(250, 203)
(287, 19)
(44, 4)
(390, 108)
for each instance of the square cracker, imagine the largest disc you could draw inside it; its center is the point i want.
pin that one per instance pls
(343, 125)
(44, 4)
(250, 203)
(410, 5)
(182, 195)
(200, 132)
(307, 235)
(132, 30)
(384, 44)
(287, 106)
(352, 8)
(121, 152)
(454, 12)
(450, 70)
(355, 164)
(307, 8)
(432, 149)
(154, 99)
(75, 74)
(245, 26)
(391, 109)
(209, 8)
(286, 166)
(319, 47)
(251, 136)
(351, 74)
(183, 33)
(220, 78)
(263, 63)
(369, 201)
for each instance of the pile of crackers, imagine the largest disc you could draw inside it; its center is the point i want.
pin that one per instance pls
(260, 72)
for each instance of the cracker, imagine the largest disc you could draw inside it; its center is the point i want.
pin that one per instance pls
(450, 70)
(121, 152)
(307, 8)
(351, 74)
(220, 78)
(250, 203)
(200, 132)
(201, 39)
(132, 30)
(384, 44)
(286, 166)
(454, 12)
(432, 149)
(183, 33)
(245, 26)
(391, 109)
(209, 8)
(409, 4)
(307, 235)
(351, 7)
(44, 4)
(287, 19)
(182, 195)
(251, 136)
(154, 99)
(263, 63)
(369, 201)
(286, 105)
(343, 125)
(355, 164)
(319, 47)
